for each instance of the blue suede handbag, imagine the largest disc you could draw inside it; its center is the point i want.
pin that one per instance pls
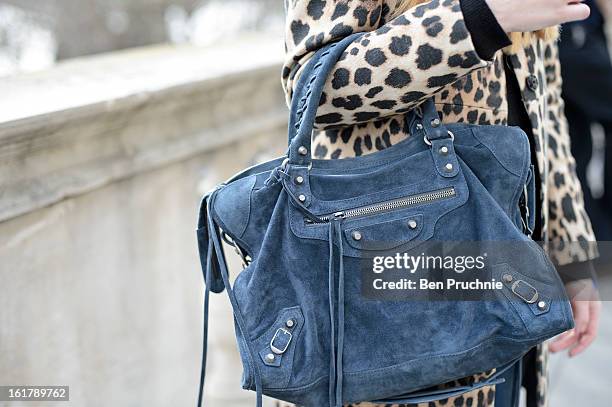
(310, 328)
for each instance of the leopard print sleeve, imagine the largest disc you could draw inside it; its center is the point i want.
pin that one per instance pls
(393, 67)
(571, 236)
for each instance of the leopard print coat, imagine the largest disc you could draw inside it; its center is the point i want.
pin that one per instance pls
(398, 63)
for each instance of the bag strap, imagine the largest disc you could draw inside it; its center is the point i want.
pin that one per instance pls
(306, 97)
(214, 247)
(426, 122)
(429, 396)
(423, 119)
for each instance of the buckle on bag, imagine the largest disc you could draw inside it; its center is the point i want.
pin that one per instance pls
(525, 291)
(246, 259)
(280, 341)
(450, 133)
(284, 164)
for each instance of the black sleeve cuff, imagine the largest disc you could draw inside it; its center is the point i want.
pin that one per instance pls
(576, 271)
(487, 34)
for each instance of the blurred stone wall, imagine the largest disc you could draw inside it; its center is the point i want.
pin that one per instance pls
(83, 27)
(102, 292)
(101, 176)
(34, 34)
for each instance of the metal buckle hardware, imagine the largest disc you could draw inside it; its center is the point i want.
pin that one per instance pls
(280, 341)
(246, 260)
(516, 290)
(450, 133)
(284, 164)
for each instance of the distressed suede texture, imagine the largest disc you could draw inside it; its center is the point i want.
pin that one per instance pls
(306, 270)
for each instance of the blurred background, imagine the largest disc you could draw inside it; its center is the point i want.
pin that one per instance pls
(115, 117)
(36, 34)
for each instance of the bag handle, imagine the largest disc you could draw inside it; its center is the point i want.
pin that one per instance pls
(305, 102)
(307, 95)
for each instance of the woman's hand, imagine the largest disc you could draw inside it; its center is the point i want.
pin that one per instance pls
(587, 307)
(533, 15)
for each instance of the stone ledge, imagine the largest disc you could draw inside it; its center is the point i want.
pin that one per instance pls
(92, 121)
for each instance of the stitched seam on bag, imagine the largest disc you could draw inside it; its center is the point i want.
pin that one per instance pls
(313, 383)
(316, 381)
(383, 369)
(495, 155)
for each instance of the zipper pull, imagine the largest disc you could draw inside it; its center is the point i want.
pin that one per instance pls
(339, 215)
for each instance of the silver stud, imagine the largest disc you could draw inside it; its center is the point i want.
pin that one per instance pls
(412, 224)
(302, 150)
(290, 323)
(302, 198)
(542, 305)
(357, 235)
(419, 126)
(435, 122)
(269, 357)
(448, 167)
(443, 150)
(299, 180)
(507, 278)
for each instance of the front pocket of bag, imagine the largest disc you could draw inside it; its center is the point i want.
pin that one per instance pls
(386, 235)
(386, 206)
(399, 222)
